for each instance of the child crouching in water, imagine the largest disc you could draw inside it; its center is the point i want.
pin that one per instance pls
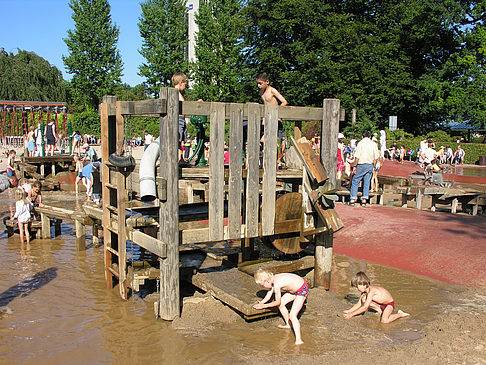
(296, 290)
(374, 297)
(22, 213)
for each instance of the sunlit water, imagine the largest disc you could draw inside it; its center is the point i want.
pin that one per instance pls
(63, 314)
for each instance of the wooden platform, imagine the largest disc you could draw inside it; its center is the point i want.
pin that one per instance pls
(236, 289)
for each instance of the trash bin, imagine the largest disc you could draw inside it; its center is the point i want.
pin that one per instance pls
(482, 160)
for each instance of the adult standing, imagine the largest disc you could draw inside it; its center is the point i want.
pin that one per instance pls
(365, 157)
(50, 133)
(382, 143)
(148, 139)
(38, 141)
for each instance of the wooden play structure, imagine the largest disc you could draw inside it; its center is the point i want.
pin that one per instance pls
(244, 201)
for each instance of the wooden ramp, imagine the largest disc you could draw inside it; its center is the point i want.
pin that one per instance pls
(236, 289)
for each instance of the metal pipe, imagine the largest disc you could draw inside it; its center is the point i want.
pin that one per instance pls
(148, 191)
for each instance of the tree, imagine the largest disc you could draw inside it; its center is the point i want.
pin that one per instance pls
(219, 72)
(382, 57)
(27, 76)
(93, 59)
(163, 29)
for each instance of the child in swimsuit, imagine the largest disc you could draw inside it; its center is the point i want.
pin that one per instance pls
(296, 290)
(374, 297)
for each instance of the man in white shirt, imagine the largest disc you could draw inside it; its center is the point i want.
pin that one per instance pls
(148, 139)
(365, 157)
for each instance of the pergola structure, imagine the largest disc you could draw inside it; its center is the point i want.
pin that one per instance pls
(18, 116)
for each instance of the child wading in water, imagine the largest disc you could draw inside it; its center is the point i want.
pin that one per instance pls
(22, 213)
(78, 170)
(374, 297)
(296, 290)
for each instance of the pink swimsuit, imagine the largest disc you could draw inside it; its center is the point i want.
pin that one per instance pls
(304, 290)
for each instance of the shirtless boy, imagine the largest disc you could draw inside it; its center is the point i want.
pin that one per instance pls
(374, 297)
(270, 96)
(296, 290)
(180, 80)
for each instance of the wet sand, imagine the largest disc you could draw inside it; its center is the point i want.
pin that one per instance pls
(59, 312)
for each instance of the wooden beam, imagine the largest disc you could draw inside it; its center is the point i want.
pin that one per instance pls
(297, 113)
(150, 243)
(278, 267)
(153, 107)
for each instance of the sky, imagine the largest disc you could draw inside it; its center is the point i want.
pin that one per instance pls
(40, 26)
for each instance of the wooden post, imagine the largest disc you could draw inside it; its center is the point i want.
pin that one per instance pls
(323, 260)
(169, 301)
(95, 232)
(454, 204)
(80, 234)
(121, 208)
(353, 117)
(328, 151)
(419, 198)
(46, 226)
(108, 146)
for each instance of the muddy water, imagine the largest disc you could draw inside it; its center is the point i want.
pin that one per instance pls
(62, 313)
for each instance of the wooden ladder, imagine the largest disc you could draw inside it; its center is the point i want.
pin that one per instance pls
(114, 198)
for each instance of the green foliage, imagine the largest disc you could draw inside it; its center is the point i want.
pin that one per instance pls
(163, 29)
(87, 121)
(93, 59)
(26, 76)
(380, 57)
(219, 72)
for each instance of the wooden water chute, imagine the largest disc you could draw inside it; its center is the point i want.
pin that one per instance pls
(242, 202)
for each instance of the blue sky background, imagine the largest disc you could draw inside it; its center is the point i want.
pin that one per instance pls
(41, 25)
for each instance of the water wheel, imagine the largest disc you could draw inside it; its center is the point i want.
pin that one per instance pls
(288, 207)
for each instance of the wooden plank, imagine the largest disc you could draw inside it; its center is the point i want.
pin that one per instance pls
(234, 288)
(235, 173)
(311, 162)
(216, 172)
(169, 300)
(56, 212)
(203, 173)
(269, 169)
(155, 107)
(150, 243)
(329, 140)
(278, 267)
(253, 170)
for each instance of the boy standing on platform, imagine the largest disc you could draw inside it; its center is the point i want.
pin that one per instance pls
(180, 80)
(270, 96)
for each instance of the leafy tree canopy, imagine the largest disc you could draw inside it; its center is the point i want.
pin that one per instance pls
(27, 76)
(93, 59)
(163, 29)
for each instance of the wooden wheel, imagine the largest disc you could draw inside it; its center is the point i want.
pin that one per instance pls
(288, 207)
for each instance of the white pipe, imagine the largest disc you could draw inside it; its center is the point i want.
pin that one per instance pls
(148, 191)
